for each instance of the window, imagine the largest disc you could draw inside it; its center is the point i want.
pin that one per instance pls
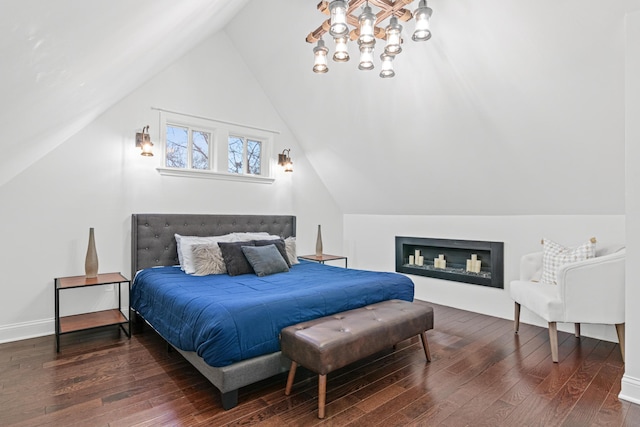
(200, 147)
(244, 155)
(187, 148)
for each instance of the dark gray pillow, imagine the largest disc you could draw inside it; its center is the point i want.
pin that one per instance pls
(234, 258)
(265, 260)
(279, 245)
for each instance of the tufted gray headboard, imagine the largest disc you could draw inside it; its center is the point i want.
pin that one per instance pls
(152, 235)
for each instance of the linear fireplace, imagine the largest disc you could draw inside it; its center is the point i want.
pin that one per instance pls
(467, 261)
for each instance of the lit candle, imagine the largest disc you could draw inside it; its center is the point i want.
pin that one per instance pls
(474, 257)
(411, 259)
(441, 256)
(417, 254)
(420, 260)
(469, 265)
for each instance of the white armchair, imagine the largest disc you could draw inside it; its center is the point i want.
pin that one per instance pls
(590, 291)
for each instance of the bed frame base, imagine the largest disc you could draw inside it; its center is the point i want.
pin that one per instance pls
(228, 379)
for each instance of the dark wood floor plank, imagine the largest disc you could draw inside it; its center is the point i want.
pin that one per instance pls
(633, 416)
(481, 374)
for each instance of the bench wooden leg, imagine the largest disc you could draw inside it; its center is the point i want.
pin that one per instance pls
(292, 374)
(516, 318)
(577, 330)
(425, 346)
(322, 394)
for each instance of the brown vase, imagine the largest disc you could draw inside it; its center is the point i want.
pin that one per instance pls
(319, 243)
(91, 260)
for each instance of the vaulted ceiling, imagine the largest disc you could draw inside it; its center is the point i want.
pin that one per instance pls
(64, 62)
(510, 108)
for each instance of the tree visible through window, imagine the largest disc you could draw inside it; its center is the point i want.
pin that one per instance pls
(245, 155)
(177, 141)
(187, 148)
(200, 150)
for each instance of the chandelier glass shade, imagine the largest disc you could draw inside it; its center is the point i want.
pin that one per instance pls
(320, 53)
(357, 21)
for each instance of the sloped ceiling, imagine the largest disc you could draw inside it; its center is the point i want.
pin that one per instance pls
(513, 107)
(64, 62)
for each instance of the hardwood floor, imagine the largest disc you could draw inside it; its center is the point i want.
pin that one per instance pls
(481, 374)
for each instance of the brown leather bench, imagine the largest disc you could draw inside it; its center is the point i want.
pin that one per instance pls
(329, 343)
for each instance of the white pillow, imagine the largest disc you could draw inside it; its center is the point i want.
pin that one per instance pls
(185, 243)
(555, 255)
(290, 245)
(257, 235)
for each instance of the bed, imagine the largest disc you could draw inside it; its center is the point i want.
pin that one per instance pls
(227, 327)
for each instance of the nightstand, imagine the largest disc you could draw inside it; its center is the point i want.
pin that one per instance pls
(324, 257)
(96, 319)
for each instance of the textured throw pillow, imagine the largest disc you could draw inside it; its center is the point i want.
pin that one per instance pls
(265, 260)
(207, 259)
(185, 243)
(290, 246)
(279, 243)
(234, 258)
(555, 255)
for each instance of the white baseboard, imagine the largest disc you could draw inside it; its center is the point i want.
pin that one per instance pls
(630, 389)
(26, 330)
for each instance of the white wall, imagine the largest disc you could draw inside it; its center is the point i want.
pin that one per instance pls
(371, 245)
(98, 179)
(631, 380)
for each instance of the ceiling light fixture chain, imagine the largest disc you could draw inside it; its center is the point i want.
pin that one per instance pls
(364, 28)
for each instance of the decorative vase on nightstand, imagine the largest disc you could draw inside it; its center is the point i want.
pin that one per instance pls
(91, 260)
(319, 243)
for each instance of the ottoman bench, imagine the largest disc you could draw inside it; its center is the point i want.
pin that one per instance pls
(329, 343)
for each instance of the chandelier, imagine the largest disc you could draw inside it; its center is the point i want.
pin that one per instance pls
(366, 30)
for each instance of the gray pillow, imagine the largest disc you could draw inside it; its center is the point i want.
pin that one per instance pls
(234, 259)
(279, 245)
(265, 260)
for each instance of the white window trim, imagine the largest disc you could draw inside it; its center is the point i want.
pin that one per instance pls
(196, 173)
(220, 131)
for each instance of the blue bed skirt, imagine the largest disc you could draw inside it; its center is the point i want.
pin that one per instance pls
(226, 319)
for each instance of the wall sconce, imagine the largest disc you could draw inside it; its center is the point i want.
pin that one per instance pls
(143, 140)
(285, 160)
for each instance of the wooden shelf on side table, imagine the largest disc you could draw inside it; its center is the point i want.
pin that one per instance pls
(90, 320)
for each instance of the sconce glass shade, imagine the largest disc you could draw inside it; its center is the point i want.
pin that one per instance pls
(341, 54)
(367, 22)
(393, 37)
(147, 148)
(320, 54)
(288, 167)
(366, 57)
(143, 141)
(387, 66)
(422, 16)
(338, 11)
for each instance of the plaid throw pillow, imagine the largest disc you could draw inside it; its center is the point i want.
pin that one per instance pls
(555, 255)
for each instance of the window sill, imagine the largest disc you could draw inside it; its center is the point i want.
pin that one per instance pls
(193, 173)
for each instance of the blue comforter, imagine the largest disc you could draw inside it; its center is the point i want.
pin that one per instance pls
(226, 319)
